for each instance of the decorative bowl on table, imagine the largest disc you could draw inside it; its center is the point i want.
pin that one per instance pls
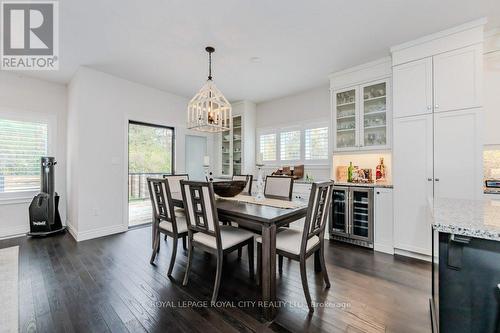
(229, 188)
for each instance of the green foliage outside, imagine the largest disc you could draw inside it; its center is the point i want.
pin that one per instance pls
(150, 149)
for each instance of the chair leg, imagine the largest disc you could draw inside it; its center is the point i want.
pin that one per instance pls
(172, 258)
(184, 243)
(259, 263)
(323, 266)
(165, 238)
(305, 286)
(188, 267)
(239, 253)
(217, 278)
(250, 259)
(156, 243)
(280, 264)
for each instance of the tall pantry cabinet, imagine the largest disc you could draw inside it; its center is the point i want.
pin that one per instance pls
(437, 146)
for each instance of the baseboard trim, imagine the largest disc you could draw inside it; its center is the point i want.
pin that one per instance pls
(13, 232)
(72, 231)
(410, 254)
(100, 232)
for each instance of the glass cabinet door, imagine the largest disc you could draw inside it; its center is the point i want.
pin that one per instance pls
(237, 145)
(339, 214)
(374, 114)
(226, 159)
(345, 119)
(362, 214)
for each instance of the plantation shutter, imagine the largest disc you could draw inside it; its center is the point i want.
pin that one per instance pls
(22, 144)
(316, 143)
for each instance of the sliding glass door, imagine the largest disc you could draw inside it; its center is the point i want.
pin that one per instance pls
(150, 154)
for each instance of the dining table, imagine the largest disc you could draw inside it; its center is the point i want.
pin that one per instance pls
(265, 220)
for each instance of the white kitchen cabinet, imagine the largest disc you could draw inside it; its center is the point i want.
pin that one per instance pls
(444, 82)
(457, 79)
(236, 147)
(383, 221)
(412, 88)
(301, 190)
(361, 117)
(458, 154)
(413, 182)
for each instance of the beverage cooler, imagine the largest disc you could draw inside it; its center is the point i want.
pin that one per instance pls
(351, 219)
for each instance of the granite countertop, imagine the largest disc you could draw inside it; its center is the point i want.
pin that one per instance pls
(380, 185)
(474, 218)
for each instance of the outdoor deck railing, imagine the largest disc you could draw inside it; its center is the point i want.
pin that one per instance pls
(138, 186)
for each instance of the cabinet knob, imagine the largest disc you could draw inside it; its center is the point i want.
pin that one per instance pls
(436, 106)
(429, 179)
(429, 107)
(437, 179)
(378, 192)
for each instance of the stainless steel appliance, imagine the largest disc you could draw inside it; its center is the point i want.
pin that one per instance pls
(492, 183)
(351, 219)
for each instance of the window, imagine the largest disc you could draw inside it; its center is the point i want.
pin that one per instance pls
(290, 146)
(22, 143)
(267, 147)
(316, 143)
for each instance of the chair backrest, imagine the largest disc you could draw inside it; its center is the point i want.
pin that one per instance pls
(248, 179)
(279, 187)
(174, 181)
(161, 200)
(201, 212)
(317, 213)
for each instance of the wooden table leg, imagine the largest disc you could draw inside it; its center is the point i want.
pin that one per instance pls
(317, 263)
(269, 270)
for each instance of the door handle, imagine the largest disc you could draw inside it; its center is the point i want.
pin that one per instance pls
(429, 179)
(437, 179)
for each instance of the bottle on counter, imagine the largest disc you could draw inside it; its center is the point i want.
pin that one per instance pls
(349, 172)
(380, 171)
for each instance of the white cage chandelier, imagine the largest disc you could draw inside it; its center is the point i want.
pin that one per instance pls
(209, 110)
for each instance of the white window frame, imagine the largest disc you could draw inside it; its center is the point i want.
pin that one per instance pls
(27, 116)
(301, 126)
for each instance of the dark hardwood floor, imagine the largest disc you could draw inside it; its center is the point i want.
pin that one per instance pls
(107, 284)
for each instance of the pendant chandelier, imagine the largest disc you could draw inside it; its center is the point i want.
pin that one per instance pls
(209, 110)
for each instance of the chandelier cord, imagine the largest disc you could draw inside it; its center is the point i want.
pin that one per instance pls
(210, 65)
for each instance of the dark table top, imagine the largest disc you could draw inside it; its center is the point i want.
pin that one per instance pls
(254, 212)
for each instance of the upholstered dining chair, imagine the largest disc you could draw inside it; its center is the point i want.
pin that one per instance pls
(165, 219)
(207, 234)
(175, 187)
(299, 245)
(279, 187)
(248, 179)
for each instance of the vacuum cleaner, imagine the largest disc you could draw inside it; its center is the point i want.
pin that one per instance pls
(44, 208)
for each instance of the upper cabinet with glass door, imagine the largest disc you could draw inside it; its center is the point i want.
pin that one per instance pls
(374, 115)
(346, 119)
(361, 106)
(361, 117)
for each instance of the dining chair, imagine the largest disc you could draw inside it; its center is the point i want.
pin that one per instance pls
(248, 179)
(205, 232)
(165, 219)
(175, 187)
(301, 244)
(279, 187)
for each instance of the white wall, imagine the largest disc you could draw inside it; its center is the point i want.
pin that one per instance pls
(307, 106)
(100, 106)
(31, 97)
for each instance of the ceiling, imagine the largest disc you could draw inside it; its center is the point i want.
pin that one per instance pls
(160, 43)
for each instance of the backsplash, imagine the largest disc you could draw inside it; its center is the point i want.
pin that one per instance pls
(491, 164)
(363, 160)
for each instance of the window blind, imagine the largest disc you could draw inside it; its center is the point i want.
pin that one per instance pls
(267, 146)
(290, 146)
(21, 146)
(316, 143)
